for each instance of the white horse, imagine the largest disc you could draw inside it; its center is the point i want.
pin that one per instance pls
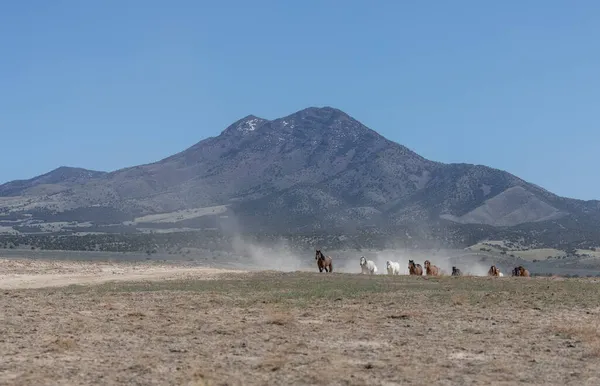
(368, 267)
(393, 267)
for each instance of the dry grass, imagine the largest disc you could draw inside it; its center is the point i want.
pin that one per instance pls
(303, 328)
(279, 318)
(586, 334)
(459, 299)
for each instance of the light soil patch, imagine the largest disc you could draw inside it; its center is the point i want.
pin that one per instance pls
(181, 215)
(529, 254)
(274, 328)
(538, 254)
(589, 252)
(8, 230)
(500, 243)
(25, 273)
(494, 246)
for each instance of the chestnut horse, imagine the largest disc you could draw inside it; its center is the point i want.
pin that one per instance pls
(430, 269)
(415, 269)
(494, 271)
(324, 262)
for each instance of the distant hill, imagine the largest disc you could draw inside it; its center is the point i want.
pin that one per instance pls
(317, 170)
(56, 180)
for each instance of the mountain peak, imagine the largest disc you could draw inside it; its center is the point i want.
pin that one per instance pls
(324, 115)
(322, 109)
(70, 172)
(325, 112)
(250, 118)
(64, 168)
(245, 125)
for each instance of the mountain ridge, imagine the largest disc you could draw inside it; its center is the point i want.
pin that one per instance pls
(318, 168)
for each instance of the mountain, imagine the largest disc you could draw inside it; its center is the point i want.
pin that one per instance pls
(318, 169)
(56, 180)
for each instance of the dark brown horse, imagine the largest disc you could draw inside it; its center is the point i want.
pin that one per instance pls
(456, 272)
(415, 269)
(324, 262)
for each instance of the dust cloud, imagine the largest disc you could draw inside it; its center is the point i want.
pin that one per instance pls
(280, 256)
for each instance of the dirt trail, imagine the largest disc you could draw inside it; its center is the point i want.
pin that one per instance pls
(24, 273)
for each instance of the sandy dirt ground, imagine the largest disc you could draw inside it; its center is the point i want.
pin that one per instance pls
(274, 328)
(26, 273)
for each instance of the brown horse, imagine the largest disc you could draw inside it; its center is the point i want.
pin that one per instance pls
(415, 269)
(521, 271)
(324, 262)
(431, 270)
(494, 271)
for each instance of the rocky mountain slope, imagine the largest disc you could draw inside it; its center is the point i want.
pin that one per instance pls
(317, 169)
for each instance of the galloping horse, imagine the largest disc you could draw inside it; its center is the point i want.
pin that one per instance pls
(430, 269)
(324, 262)
(393, 267)
(521, 271)
(456, 272)
(494, 271)
(415, 269)
(367, 267)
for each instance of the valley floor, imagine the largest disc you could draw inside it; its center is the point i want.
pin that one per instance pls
(203, 326)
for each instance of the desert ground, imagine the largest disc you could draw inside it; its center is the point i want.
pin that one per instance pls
(150, 323)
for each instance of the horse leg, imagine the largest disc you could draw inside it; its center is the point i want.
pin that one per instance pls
(331, 267)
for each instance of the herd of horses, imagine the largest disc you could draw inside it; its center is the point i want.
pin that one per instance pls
(494, 271)
(325, 263)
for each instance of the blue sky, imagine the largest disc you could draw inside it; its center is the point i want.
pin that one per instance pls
(110, 84)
